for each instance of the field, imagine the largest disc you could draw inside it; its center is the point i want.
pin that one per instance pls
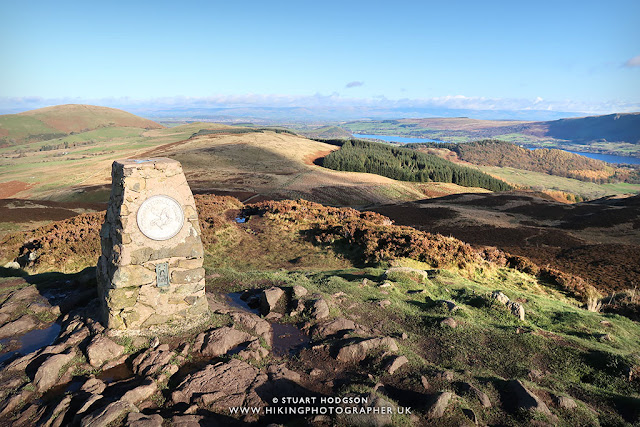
(541, 181)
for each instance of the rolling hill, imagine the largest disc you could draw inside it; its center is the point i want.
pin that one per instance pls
(61, 120)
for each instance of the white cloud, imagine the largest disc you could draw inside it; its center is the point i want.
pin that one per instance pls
(353, 84)
(633, 62)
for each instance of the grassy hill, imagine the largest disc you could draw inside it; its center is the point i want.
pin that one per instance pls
(54, 122)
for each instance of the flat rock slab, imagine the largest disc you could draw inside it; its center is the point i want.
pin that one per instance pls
(220, 341)
(110, 413)
(18, 327)
(102, 349)
(357, 351)
(48, 373)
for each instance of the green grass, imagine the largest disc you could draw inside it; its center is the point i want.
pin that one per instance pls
(20, 127)
(541, 181)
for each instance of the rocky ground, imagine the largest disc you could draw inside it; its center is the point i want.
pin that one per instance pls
(474, 341)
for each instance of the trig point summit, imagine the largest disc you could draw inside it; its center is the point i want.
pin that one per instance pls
(150, 272)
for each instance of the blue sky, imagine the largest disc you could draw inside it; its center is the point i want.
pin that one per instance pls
(559, 55)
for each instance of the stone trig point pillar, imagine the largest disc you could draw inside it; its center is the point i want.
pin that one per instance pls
(150, 272)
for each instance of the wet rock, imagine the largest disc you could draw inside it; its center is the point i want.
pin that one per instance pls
(356, 352)
(449, 322)
(110, 413)
(320, 309)
(140, 393)
(18, 327)
(93, 386)
(566, 402)
(269, 299)
(221, 340)
(102, 349)
(527, 400)
(439, 405)
(136, 419)
(49, 372)
(395, 363)
(334, 327)
(474, 391)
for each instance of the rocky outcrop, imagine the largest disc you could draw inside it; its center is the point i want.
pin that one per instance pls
(154, 361)
(516, 308)
(48, 373)
(110, 413)
(320, 309)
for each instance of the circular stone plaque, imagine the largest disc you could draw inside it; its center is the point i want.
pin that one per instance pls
(160, 217)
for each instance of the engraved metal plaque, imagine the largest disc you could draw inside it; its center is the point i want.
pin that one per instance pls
(160, 217)
(162, 275)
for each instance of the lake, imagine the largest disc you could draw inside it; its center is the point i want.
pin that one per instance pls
(392, 138)
(604, 157)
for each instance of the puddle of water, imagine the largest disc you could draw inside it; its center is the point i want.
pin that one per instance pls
(117, 373)
(240, 220)
(32, 341)
(288, 339)
(235, 300)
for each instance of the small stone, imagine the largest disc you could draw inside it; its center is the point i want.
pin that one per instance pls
(356, 352)
(396, 363)
(299, 291)
(439, 405)
(445, 376)
(320, 309)
(386, 285)
(500, 297)
(449, 322)
(425, 382)
(527, 400)
(566, 402)
(269, 299)
(384, 303)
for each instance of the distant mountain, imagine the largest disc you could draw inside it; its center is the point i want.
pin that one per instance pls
(54, 122)
(611, 128)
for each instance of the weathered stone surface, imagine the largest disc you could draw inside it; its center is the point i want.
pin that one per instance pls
(140, 393)
(449, 322)
(357, 351)
(474, 391)
(261, 327)
(56, 416)
(254, 351)
(102, 349)
(396, 363)
(223, 385)
(187, 276)
(566, 402)
(445, 376)
(93, 386)
(299, 291)
(132, 275)
(439, 405)
(411, 272)
(49, 372)
(221, 340)
(320, 309)
(500, 297)
(93, 398)
(516, 309)
(269, 299)
(103, 416)
(18, 327)
(153, 361)
(14, 401)
(136, 419)
(334, 326)
(527, 400)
